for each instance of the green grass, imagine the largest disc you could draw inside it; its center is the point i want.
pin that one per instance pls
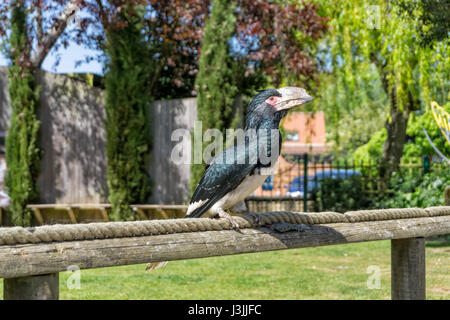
(332, 272)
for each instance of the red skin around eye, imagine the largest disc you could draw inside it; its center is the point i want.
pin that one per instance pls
(272, 101)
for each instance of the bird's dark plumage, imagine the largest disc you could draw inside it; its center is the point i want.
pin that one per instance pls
(220, 177)
(226, 183)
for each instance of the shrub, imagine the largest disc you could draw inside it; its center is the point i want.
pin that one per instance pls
(342, 195)
(418, 191)
(22, 141)
(406, 190)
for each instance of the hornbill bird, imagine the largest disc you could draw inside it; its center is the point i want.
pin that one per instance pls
(239, 170)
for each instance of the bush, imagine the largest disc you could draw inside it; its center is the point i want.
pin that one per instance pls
(418, 191)
(341, 195)
(407, 190)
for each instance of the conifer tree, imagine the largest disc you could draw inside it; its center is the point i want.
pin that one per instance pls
(216, 91)
(127, 119)
(22, 144)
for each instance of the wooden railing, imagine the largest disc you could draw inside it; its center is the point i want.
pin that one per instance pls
(31, 265)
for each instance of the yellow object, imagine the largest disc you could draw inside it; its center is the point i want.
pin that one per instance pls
(442, 119)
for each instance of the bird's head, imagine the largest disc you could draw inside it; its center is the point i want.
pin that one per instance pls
(277, 101)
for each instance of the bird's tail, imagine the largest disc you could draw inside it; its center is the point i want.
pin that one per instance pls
(155, 265)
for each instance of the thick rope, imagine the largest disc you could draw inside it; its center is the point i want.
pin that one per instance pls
(103, 230)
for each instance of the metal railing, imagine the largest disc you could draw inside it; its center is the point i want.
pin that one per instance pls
(299, 177)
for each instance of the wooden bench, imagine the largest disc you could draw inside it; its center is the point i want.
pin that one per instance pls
(72, 210)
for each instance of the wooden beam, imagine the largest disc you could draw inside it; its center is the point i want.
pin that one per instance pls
(72, 217)
(408, 269)
(162, 213)
(40, 287)
(141, 213)
(38, 215)
(104, 214)
(84, 206)
(1, 216)
(43, 258)
(161, 206)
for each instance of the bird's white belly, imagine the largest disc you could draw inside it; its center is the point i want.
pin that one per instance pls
(247, 186)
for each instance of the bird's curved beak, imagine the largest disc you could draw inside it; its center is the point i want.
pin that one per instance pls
(292, 97)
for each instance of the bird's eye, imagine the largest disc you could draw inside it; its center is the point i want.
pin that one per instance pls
(272, 100)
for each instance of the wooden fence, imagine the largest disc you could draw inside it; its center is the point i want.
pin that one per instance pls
(73, 164)
(31, 261)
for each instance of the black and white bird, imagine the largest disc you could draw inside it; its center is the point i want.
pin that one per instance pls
(225, 184)
(239, 170)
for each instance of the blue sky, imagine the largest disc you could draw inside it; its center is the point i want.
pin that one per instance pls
(68, 58)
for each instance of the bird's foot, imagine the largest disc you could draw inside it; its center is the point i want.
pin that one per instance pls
(223, 214)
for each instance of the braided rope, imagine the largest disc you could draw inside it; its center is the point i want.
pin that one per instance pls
(103, 230)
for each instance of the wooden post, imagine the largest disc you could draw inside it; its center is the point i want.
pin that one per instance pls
(408, 269)
(41, 287)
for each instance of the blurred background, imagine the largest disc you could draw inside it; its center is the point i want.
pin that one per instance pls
(92, 90)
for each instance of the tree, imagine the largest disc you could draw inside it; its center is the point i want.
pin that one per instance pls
(216, 91)
(272, 43)
(272, 38)
(431, 19)
(22, 141)
(127, 112)
(172, 30)
(380, 35)
(280, 38)
(22, 152)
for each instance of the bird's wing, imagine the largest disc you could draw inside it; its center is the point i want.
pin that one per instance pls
(219, 179)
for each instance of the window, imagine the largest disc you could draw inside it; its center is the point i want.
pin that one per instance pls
(292, 135)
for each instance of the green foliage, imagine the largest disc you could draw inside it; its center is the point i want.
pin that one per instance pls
(418, 145)
(341, 195)
(377, 70)
(371, 151)
(421, 146)
(407, 189)
(353, 114)
(22, 144)
(127, 118)
(431, 16)
(412, 190)
(216, 90)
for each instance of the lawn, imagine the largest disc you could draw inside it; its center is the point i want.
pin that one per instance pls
(331, 272)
